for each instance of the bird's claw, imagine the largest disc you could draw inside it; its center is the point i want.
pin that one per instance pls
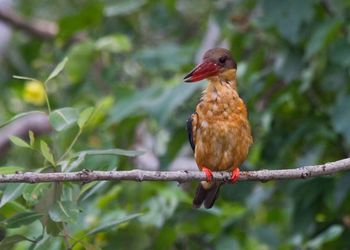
(208, 174)
(235, 175)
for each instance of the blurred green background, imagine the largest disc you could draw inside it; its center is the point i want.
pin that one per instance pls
(126, 59)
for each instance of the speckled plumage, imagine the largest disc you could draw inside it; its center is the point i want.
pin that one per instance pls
(219, 131)
(220, 128)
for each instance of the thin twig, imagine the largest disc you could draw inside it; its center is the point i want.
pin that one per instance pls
(179, 176)
(71, 145)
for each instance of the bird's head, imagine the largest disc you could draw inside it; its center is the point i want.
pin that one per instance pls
(216, 62)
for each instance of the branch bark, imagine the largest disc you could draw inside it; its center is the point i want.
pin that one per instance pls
(179, 176)
(38, 28)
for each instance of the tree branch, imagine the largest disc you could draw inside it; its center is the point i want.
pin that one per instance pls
(179, 176)
(38, 28)
(36, 122)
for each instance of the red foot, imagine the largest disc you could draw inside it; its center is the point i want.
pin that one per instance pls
(208, 173)
(235, 175)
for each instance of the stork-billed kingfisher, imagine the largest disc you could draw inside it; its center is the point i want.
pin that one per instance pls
(219, 130)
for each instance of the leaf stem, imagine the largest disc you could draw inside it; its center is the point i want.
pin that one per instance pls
(71, 145)
(47, 97)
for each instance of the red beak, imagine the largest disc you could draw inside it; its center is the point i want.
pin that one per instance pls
(202, 71)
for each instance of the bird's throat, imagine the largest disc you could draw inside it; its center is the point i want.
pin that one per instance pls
(220, 100)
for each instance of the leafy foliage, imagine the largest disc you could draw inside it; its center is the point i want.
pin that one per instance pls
(118, 85)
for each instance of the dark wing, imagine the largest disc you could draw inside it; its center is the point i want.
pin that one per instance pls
(189, 127)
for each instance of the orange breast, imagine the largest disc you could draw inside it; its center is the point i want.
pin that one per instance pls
(221, 129)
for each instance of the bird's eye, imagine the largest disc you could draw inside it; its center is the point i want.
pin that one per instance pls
(222, 59)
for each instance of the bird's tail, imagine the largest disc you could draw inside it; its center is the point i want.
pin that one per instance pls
(207, 195)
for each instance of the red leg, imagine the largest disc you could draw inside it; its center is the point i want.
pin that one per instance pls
(235, 174)
(208, 173)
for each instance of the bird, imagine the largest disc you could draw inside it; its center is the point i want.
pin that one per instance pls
(218, 131)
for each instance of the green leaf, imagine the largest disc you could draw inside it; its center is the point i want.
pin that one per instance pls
(287, 16)
(31, 138)
(9, 242)
(165, 104)
(341, 190)
(91, 188)
(25, 78)
(111, 151)
(11, 192)
(47, 242)
(124, 8)
(330, 234)
(20, 116)
(61, 119)
(114, 43)
(57, 69)
(155, 100)
(340, 116)
(322, 36)
(109, 225)
(64, 211)
(53, 228)
(81, 57)
(86, 17)
(74, 164)
(33, 192)
(227, 243)
(88, 246)
(340, 52)
(155, 58)
(162, 207)
(85, 116)
(19, 142)
(2, 230)
(22, 219)
(16, 206)
(10, 169)
(45, 150)
(133, 105)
